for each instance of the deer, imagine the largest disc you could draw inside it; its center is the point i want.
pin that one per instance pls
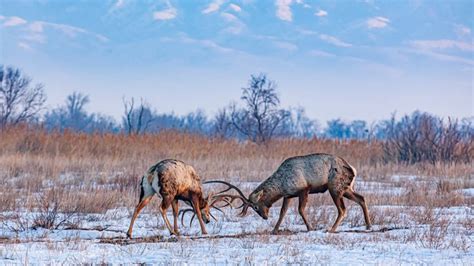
(297, 177)
(174, 180)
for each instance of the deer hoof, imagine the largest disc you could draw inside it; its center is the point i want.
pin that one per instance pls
(275, 232)
(176, 233)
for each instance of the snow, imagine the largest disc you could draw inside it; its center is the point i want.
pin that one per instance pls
(246, 240)
(468, 192)
(304, 247)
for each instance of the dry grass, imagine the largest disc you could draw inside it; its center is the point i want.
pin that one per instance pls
(100, 171)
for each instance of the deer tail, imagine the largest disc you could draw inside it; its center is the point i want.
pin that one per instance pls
(354, 172)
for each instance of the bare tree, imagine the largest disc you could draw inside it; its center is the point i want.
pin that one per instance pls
(222, 124)
(422, 137)
(302, 125)
(74, 116)
(337, 129)
(75, 103)
(136, 119)
(196, 122)
(260, 117)
(19, 102)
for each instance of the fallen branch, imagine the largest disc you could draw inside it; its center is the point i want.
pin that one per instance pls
(96, 228)
(162, 239)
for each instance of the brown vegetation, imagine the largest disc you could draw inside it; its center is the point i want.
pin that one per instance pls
(73, 173)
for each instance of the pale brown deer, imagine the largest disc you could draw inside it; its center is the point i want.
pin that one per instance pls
(298, 177)
(174, 180)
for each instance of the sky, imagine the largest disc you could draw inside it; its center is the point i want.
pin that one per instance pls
(337, 59)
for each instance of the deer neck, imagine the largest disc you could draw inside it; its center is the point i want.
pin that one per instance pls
(270, 195)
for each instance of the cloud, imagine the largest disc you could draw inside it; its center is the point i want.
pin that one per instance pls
(320, 53)
(324, 37)
(433, 48)
(35, 37)
(285, 45)
(283, 10)
(234, 29)
(183, 38)
(441, 56)
(119, 4)
(24, 46)
(377, 22)
(213, 6)
(166, 14)
(119, 8)
(264, 37)
(333, 40)
(35, 30)
(321, 13)
(301, 2)
(101, 38)
(70, 31)
(14, 21)
(306, 32)
(229, 17)
(36, 26)
(213, 45)
(236, 25)
(235, 7)
(442, 44)
(462, 31)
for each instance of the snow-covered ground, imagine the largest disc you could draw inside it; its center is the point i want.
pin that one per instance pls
(395, 239)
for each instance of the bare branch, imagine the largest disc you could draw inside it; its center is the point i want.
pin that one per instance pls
(19, 102)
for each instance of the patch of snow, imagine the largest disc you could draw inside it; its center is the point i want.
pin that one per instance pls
(469, 192)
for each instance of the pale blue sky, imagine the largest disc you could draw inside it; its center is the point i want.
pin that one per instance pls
(347, 59)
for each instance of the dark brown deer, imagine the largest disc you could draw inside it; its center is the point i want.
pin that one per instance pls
(174, 180)
(298, 177)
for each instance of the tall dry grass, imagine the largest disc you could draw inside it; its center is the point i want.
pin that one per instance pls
(101, 171)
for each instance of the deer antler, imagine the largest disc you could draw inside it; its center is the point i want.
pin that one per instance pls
(183, 212)
(215, 198)
(229, 198)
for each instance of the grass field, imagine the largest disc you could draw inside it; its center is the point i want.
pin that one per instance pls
(68, 198)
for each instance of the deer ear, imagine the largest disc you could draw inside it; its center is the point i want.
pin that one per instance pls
(258, 195)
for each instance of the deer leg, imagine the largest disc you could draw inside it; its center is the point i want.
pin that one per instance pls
(197, 211)
(359, 199)
(283, 210)
(175, 206)
(138, 208)
(165, 204)
(341, 211)
(303, 199)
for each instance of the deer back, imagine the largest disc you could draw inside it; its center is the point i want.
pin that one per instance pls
(174, 177)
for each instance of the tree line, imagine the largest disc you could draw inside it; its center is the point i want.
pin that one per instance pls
(258, 117)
